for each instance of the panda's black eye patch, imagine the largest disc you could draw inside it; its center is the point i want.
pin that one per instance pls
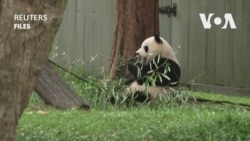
(146, 48)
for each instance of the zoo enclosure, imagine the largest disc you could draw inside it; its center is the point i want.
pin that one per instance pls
(215, 56)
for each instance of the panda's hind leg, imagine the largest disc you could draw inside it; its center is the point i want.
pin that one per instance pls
(137, 97)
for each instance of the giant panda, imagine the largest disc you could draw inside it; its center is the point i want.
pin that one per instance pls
(156, 70)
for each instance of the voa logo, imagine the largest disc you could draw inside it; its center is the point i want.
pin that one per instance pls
(228, 18)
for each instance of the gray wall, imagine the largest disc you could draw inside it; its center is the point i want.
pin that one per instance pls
(213, 56)
(84, 40)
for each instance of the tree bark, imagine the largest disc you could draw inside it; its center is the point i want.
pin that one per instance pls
(54, 91)
(135, 21)
(23, 53)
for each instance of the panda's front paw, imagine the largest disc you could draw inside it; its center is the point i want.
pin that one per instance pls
(133, 69)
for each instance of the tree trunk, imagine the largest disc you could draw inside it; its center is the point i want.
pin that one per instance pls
(23, 53)
(54, 91)
(135, 21)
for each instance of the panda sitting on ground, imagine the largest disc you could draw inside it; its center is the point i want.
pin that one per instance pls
(157, 69)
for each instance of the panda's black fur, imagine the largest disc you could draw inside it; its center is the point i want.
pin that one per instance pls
(163, 66)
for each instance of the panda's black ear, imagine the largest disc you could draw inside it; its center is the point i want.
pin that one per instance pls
(158, 39)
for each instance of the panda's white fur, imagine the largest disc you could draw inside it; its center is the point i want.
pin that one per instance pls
(154, 49)
(164, 50)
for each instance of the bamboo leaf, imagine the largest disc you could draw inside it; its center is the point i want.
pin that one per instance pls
(165, 76)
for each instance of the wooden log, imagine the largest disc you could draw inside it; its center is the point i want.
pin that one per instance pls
(54, 91)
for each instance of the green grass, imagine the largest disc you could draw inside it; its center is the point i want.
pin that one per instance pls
(172, 118)
(186, 122)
